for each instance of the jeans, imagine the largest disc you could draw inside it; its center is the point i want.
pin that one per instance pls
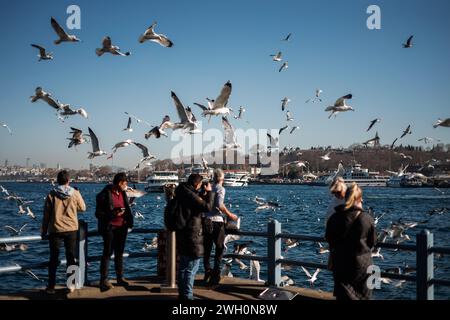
(113, 241)
(55, 239)
(187, 269)
(217, 236)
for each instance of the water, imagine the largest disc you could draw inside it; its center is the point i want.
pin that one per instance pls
(302, 211)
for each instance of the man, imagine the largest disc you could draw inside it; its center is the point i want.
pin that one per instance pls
(60, 221)
(190, 238)
(214, 230)
(114, 219)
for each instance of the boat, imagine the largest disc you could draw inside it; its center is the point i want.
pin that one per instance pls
(158, 179)
(236, 179)
(412, 180)
(205, 173)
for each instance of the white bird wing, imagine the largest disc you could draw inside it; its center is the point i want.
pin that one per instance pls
(11, 229)
(316, 273)
(229, 137)
(94, 141)
(223, 97)
(180, 108)
(306, 272)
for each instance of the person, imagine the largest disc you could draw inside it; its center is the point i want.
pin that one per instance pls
(337, 191)
(214, 230)
(114, 220)
(351, 236)
(190, 238)
(60, 221)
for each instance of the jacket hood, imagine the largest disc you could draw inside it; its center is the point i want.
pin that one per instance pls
(64, 192)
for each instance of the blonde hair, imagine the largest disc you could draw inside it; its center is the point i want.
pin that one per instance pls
(338, 185)
(353, 195)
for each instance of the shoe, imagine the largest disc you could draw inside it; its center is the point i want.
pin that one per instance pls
(215, 278)
(50, 290)
(207, 277)
(121, 281)
(105, 286)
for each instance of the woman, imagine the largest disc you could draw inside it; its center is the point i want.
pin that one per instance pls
(351, 236)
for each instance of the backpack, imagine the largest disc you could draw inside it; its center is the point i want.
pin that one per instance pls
(174, 218)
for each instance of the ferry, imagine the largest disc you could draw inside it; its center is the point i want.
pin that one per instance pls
(407, 181)
(362, 176)
(236, 179)
(205, 173)
(158, 179)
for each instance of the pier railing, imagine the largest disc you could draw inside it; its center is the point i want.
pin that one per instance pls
(424, 249)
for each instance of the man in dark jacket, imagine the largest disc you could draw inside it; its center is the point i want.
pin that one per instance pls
(190, 239)
(114, 220)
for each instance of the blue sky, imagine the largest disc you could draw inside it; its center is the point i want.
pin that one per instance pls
(215, 41)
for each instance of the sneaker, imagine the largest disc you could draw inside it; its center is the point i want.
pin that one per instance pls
(105, 286)
(121, 281)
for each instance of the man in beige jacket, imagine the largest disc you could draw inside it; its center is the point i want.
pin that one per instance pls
(61, 223)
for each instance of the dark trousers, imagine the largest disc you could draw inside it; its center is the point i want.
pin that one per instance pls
(113, 241)
(70, 242)
(214, 234)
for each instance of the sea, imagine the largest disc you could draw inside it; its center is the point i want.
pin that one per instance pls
(302, 210)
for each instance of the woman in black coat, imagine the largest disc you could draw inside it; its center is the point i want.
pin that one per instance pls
(351, 236)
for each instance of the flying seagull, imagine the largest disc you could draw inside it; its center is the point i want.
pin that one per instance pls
(393, 143)
(372, 123)
(96, 152)
(230, 141)
(287, 37)
(340, 106)
(218, 106)
(14, 231)
(63, 36)
(151, 35)
(43, 55)
(289, 116)
(187, 119)
(146, 155)
(128, 128)
(316, 97)
(276, 57)
(284, 103)
(273, 142)
(122, 144)
(77, 137)
(107, 47)
(283, 66)
(67, 111)
(405, 156)
(427, 140)
(442, 123)
(138, 120)
(326, 157)
(47, 97)
(4, 125)
(311, 278)
(241, 112)
(406, 131)
(30, 213)
(408, 43)
(293, 129)
(282, 129)
(159, 130)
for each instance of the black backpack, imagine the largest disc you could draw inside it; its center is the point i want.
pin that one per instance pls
(174, 218)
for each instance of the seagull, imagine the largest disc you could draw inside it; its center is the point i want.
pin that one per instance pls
(47, 97)
(284, 103)
(30, 213)
(63, 36)
(4, 190)
(230, 141)
(204, 164)
(377, 254)
(289, 116)
(138, 120)
(312, 278)
(406, 131)
(96, 152)
(290, 243)
(287, 37)
(283, 66)
(77, 137)
(14, 231)
(43, 55)
(408, 43)
(107, 47)
(316, 97)
(286, 281)
(146, 155)
(340, 106)
(128, 128)
(150, 35)
(393, 143)
(322, 249)
(187, 118)
(159, 130)
(122, 144)
(273, 142)
(427, 140)
(299, 164)
(21, 211)
(282, 129)
(372, 123)
(405, 156)
(442, 123)
(152, 245)
(68, 111)
(4, 125)
(241, 113)
(218, 106)
(276, 57)
(293, 129)
(326, 157)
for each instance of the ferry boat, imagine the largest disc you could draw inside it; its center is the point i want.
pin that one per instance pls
(205, 173)
(158, 179)
(406, 181)
(362, 176)
(236, 179)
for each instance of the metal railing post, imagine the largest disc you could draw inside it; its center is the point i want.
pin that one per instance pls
(425, 267)
(82, 252)
(171, 263)
(273, 253)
